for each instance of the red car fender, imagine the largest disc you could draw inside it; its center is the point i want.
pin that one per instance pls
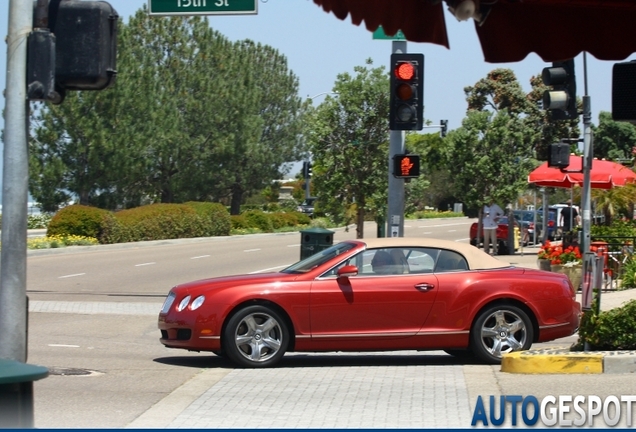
(457, 308)
(297, 309)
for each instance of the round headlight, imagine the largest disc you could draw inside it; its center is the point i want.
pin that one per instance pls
(197, 302)
(183, 303)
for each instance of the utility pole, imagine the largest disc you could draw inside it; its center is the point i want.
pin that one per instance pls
(15, 176)
(395, 216)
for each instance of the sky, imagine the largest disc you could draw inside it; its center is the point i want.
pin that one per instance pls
(319, 46)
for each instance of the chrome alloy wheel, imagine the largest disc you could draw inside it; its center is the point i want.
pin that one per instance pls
(258, 337)
(503, 331)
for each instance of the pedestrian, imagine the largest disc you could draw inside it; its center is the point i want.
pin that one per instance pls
(569, 217)
(490, 221)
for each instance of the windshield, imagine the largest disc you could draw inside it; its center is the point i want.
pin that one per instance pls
(319, 258)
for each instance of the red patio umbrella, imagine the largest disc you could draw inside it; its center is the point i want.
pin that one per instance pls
(603, 175)
(508, 30)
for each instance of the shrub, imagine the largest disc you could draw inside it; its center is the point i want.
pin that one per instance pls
(60, 241)
(614, 329)
(239, 222)
(79, 220)
(155, 222)
(38, 221)
(215, 217)
(260, 220)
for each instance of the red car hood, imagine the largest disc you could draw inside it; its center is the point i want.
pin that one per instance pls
(234, 281)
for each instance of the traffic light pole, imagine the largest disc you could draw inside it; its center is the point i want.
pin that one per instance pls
(15, 174)
(395, 216)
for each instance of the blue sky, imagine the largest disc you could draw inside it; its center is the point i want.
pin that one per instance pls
(319, 46)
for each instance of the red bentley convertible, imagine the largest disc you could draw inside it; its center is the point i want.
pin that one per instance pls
(373, 295)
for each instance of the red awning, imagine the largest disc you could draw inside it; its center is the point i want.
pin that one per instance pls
(603, 175)
(509, 30)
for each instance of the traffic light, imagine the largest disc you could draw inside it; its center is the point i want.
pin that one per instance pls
(407, 92)
(623, 91)
(406, 166)
(561, 100)
(306, 169)
(444, 129)
(85, 44)
(41, 66)
(559, 155)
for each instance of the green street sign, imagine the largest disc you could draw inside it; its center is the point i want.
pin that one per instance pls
(202, 7)
(379, 34)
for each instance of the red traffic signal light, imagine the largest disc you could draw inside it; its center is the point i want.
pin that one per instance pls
(406, 166)
(407, 91)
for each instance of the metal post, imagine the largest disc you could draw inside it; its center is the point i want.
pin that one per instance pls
(395, 219)
(588, 152)
(13, 313)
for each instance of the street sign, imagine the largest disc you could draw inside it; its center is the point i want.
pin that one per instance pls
(379, 34)
(202, 7)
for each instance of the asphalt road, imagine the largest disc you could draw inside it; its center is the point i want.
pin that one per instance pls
(108, 369)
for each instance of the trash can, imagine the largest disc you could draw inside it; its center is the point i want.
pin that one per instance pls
(16, 392)
(313, 240)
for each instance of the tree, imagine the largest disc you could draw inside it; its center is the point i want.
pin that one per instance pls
(614, 140)
(549, 131)
(432, 187)
(489, 157)
(348, 136)
(192, 116)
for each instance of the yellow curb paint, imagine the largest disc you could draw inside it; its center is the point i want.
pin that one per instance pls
(518, 362)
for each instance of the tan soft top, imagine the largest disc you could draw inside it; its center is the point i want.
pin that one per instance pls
(477, 259)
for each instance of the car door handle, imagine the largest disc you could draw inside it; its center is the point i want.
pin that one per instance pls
(425, 286)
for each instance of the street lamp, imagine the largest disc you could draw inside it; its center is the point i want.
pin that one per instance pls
(321, 94)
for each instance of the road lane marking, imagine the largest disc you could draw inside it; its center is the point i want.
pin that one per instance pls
(201, 256)
(64, 346)
(251, 250)
(294, 245)
(71, 275)
(145, 264)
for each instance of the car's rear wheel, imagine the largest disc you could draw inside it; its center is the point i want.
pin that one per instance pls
(500, 329)
(255, 337)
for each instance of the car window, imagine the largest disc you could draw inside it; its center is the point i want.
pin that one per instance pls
(319, 258)
(449, 261)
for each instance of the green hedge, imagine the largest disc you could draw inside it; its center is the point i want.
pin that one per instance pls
(155, 222)
(169, 221)
(215, 217)
(614, 329)
(79, 220)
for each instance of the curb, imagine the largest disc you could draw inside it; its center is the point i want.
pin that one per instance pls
(564, 361)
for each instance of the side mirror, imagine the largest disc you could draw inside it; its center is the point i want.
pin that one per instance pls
(347, 271)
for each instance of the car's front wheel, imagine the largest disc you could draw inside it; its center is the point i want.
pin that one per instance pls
(255, 337)
(500, 329)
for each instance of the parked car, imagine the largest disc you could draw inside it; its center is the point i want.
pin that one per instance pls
(554, 233)
(502, 235)
(527, 218)
(307, 206)
(381, 294)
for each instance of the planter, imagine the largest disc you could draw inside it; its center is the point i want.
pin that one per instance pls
(556, 268)
(544, 264)
(575, 274)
